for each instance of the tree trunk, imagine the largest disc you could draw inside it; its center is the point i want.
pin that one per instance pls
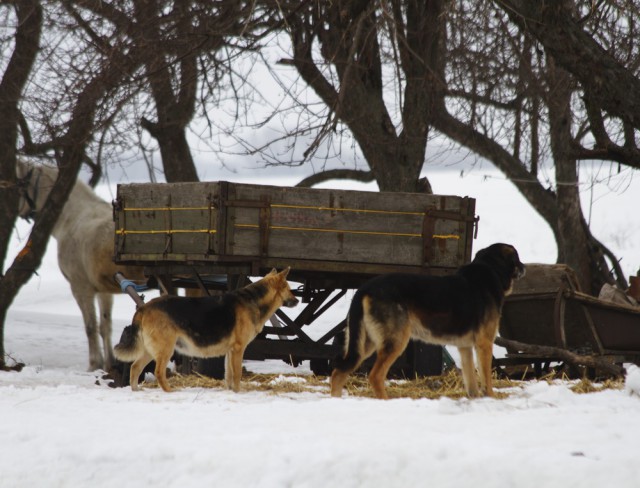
(573, 246)
(348, 37)
(395, 166)
(27, 43)
(174, 94)
(177, 161)
(79, 131)
(574, 235)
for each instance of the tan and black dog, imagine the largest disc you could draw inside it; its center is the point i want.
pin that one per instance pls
(462, 309)
(202, 327)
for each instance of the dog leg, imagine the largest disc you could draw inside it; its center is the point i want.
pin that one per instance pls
(484, 352)
(235, 361)
(162, 360)
(468, 373)
(378, 375)
(136, 369)
(340, 375)
(339, 379)
(227, 370)
(386, 356)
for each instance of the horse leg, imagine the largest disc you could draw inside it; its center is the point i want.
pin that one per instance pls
(105, 304)
(87, 306)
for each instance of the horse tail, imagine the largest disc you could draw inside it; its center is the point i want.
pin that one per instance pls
(130, 346)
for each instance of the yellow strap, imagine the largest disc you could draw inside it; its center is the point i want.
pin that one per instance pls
(277, 227)
(304, 229)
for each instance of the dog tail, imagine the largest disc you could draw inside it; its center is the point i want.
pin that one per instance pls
(130, 346)
(352, 355)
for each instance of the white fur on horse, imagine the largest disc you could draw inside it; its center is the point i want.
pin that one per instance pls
(84, 233)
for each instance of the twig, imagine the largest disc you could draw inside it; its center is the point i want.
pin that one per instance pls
(555, 352)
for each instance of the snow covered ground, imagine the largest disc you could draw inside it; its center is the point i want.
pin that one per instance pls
(61, 426)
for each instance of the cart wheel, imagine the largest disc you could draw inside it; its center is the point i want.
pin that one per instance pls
(212, 367)
(320, 367)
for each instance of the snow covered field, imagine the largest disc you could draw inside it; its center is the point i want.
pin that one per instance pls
(62, 427)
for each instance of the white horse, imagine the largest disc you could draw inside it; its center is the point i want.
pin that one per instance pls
(85, 235)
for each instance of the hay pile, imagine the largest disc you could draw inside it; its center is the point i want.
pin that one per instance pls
(433, 387)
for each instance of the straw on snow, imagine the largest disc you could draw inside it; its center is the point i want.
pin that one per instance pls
(433, 387)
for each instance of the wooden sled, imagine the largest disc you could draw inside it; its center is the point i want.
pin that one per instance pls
(547, 308)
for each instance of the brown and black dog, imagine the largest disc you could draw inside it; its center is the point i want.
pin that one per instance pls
(462, 309)
(202, 327)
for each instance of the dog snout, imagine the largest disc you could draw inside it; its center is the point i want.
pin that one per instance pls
(290, 301)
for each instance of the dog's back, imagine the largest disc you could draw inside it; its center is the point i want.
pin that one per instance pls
(205, 320)
(445, 305)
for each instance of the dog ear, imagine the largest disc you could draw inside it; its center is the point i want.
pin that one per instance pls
(285, 272)
(272, 272)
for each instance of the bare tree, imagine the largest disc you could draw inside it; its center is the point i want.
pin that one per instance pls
(173, 66)
(463, 70)
(524, 98)
(69, 139)
(560, 28)
(27, 19)
(341, 50)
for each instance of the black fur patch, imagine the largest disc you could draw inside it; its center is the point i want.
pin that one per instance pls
(206, 320)
(447, 305)
(128, 338)
(253, 293)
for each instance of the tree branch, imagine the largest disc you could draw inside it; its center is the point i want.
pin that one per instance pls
(610, 84)
(336, 174)
(564, 355)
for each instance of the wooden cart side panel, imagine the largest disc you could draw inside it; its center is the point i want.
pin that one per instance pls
(228, 221)
(163, 219)
(372, 227)
(136, 228)
(345, 247)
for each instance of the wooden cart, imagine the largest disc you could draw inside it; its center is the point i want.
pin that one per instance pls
(215, 235)
(547, 308)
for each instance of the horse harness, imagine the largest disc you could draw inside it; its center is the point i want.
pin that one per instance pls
(23, 188)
